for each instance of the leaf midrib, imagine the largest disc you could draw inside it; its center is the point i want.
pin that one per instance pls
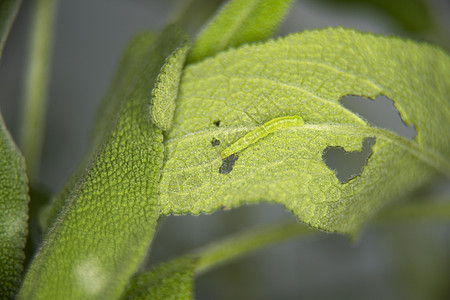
(426, 155)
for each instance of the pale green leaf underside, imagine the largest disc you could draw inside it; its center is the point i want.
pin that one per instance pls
(239, 22)
(166, 89)
(305, 75)
(106, 224)
(13, 214)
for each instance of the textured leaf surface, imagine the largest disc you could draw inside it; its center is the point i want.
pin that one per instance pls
(13, 188)
(13, 214)
(166, 89)
(239, 22)
(122, 85)
(172, 280)
(225, 97)
(105, 226)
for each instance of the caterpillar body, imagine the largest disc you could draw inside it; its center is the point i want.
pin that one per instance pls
(261, 132)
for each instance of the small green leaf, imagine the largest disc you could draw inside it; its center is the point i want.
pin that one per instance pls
(305, 75)
(239, 22)
(175, 279)
(106, 224)
(171, 280)
(13, 214)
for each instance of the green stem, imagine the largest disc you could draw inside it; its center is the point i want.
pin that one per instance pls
(417, 211)
(36, 84)
(175, 276)
(238, 245)
(8, 12)
(228, 248)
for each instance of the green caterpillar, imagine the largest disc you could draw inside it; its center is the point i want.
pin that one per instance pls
(262, 131)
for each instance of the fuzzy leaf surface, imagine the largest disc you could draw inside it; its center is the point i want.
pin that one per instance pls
(225, 97)
(171, 280)
(14, 214)
(104, 228)
(13, 187)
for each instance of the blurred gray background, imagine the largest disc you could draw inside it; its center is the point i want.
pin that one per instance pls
(393, 261)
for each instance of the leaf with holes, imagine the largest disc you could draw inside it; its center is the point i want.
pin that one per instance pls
(228, 96)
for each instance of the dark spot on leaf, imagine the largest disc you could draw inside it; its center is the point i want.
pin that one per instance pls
(380, 112)
(348, 165)
(215, 142)
(228, 164)
(217, 123)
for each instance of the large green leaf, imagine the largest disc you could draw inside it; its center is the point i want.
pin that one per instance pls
(13, 187)
(224, 98)
(239, 22)
(106, 224)
(13, 214)
(122, 85)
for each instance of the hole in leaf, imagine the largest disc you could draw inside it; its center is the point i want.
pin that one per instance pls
(215, 142)
(217, 123)
(228, 164)
(380, 112)
(348, 165)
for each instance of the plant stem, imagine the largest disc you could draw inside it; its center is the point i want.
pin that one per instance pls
(430, 210)
(36, 84)
(8, 12)
(238, 245)
(228, 248)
